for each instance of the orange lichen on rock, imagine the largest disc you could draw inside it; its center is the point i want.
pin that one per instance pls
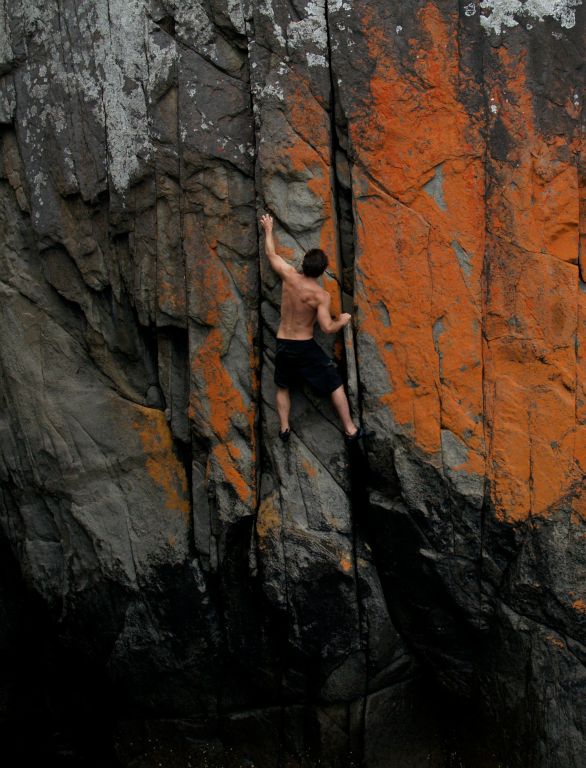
(226, 456)
(161, 463)
(530, 323)
(582, 208)
(223, 402)
(556, 642)
(581, 358)
(530, 371)
(420, 241)
(268, 519)
(503, 406)
(308, 468)
(579, 605)
(393, 293)
(217, 404)
(536, 197)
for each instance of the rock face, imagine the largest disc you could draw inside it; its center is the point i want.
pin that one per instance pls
(283, 604)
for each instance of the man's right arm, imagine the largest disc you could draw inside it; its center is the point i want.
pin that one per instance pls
(324, 317)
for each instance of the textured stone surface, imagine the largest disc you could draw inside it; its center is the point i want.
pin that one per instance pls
(232, 598)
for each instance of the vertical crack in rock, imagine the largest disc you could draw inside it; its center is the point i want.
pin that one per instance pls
(341, 175)
(484, 509)
(305, 521)
(581, 163)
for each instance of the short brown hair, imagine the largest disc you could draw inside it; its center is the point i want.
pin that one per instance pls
(314, 262)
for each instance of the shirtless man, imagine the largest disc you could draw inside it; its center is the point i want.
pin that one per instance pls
(298, 355)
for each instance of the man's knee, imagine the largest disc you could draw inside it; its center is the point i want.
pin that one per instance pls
(338, 391)
(282, 395)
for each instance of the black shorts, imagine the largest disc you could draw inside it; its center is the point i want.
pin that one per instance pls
(306, 361)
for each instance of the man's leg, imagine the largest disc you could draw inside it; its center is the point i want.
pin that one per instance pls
(283, 399)
(340, 403)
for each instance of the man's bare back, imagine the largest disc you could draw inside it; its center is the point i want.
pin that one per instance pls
(300, 300)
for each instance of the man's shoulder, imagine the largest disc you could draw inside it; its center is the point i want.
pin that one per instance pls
(291, 275)
(323, 295)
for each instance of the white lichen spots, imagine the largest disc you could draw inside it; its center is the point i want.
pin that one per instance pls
(494, 109)
(279, 35)
(274, 90)
(194, 26)
(312, 29)
(55, 114)
(68, 160)
(121, 31)
(316, 60)
(470, 9)
(340, 5)
(162, 61)
(236, 15)
(265, 7)
(502, 13)
(110, 71)
(39, 184)
(398, 29)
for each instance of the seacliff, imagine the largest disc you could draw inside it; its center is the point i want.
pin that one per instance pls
(172, 571)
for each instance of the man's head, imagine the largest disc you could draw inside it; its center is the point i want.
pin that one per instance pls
(314, 262)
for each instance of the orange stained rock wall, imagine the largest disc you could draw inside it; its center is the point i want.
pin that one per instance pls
(221, 407)
(161, 463)
(419, 188)
(532, 306)
(467, 282)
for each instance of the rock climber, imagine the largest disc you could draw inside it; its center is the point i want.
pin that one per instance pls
(299, 356)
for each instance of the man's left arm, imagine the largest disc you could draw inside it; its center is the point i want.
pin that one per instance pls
(278, 263)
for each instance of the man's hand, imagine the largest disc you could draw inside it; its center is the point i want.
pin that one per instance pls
(325, 319)
(277, 263)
